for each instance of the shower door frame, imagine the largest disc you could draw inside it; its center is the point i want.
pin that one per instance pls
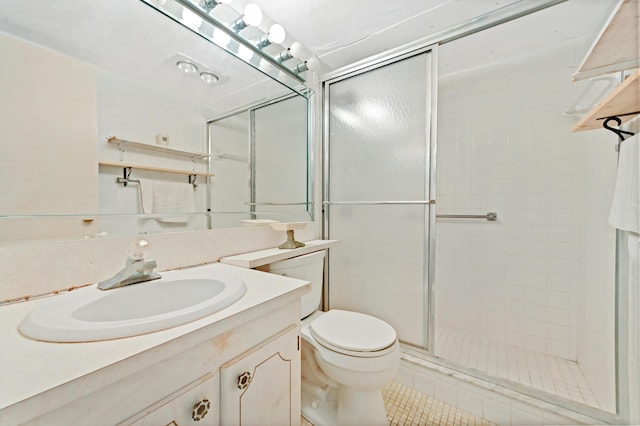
(491, 19)
(430, 133)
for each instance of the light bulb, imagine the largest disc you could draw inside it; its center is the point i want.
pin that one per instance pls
(313, 63)
(220, 37)
(245, 53)
(252, 15)
(295, 50)
(190, 19)
(209, 78)
(187, 67)
(276, 34)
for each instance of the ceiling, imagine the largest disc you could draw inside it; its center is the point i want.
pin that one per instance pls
(130, 38)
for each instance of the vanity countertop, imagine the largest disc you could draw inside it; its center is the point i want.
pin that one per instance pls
(29, 368)
(263, 257)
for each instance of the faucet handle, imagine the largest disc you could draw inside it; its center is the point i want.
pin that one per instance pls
(138, 249)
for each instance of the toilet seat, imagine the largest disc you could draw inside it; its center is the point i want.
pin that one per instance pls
(353, 334)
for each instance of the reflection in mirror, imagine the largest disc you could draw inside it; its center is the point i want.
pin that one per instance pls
(103, 134)
(259, 164)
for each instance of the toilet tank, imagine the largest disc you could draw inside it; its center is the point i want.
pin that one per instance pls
(309, 267)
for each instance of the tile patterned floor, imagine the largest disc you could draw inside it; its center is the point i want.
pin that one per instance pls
(536, 369)
(406, 407)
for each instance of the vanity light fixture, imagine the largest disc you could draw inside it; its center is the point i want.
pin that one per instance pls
(209, 5)
(276, 35)
(311, 64)
(252, 16)
(294, 51)
(209, 78)
(187, 67)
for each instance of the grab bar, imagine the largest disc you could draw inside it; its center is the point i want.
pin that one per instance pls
(375, 203)
(491, 216)
(276, 204)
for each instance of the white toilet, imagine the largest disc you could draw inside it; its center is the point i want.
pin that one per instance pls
(346, 356)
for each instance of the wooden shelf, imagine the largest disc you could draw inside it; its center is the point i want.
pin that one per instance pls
(265, 257)
(124, 144)
(151, 168)
(616, 47)
(624, 100)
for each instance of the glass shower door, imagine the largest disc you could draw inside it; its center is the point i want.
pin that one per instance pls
(377, 156)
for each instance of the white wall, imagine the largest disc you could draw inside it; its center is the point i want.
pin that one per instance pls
(47, 125)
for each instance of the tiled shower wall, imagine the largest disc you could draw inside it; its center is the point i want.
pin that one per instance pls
(541, 277)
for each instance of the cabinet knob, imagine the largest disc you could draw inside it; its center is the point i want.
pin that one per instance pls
(244, 380)
(200, 409)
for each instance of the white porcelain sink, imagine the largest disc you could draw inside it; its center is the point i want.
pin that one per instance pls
(90, 314)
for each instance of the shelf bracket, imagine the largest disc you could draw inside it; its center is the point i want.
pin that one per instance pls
(126, 177)
(192, 180)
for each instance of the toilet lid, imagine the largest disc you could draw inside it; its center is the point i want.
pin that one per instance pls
(352, 331)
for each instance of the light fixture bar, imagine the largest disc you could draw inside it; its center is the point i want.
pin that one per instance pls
(238, 38)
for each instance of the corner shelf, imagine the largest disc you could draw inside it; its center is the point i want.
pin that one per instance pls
(616, 48)
(155, 169)
(622, 102)
(124, 144)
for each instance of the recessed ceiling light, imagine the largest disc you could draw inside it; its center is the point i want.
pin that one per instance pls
(209, 78)
(187, 67)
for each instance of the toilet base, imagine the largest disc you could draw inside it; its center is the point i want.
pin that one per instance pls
(343, 406)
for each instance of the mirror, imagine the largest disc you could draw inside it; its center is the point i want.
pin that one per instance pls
(103, 134)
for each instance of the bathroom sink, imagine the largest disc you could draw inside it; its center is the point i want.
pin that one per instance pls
(90, 314)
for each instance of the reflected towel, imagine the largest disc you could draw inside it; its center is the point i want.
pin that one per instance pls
(625, 208)
(169, 199)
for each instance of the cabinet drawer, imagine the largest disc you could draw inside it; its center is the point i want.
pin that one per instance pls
(195, 404)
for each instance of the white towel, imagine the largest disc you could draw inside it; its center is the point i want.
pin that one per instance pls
(170, 200)
(625, 208)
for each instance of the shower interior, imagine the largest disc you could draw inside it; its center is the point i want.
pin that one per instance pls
(527, 301)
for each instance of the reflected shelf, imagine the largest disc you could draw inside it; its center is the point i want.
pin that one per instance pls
(124, 144)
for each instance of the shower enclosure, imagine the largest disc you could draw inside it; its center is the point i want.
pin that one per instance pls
(526, 300)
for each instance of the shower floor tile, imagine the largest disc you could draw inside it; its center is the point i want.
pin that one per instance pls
(538, 370)
(406, 407)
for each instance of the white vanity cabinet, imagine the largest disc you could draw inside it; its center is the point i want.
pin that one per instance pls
(187, 375)
(262, 386)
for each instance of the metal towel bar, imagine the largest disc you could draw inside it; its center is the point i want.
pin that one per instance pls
(491, 216)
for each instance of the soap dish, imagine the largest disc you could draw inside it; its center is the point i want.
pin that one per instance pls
(290, 227)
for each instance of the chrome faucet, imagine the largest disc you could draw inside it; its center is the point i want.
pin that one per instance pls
(136, 269)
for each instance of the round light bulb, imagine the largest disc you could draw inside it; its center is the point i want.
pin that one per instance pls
(209, 78)
(313, 63)
(190, 19)
(187, 67)
(295, 50)
(276, 34)
(220, 37)
(252, 15)
(245, 53)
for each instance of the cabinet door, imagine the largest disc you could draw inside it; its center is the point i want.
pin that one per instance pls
(262, 386)
(195, 404)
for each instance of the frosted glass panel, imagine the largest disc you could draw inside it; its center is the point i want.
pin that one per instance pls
(280, 160)
(378, 142)
(377, 268)
(377, 126)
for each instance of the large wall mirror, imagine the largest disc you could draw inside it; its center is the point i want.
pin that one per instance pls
(115, 119)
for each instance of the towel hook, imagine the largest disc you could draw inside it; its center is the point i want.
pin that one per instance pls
(617, 131)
